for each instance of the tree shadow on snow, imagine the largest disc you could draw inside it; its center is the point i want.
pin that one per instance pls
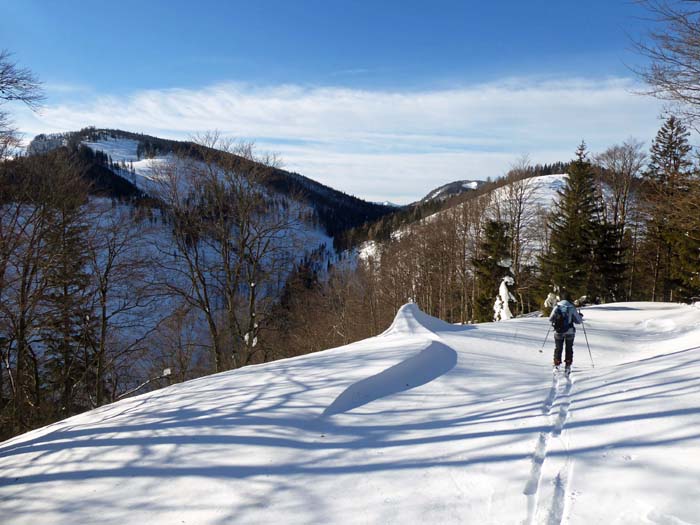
(432, 362)
(215, 429)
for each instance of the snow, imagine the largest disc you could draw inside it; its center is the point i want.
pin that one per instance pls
(120, 149)
(426, 423)
(435, 194)
(501, 310)
(368, 250)
(145, 171)
(545, 188)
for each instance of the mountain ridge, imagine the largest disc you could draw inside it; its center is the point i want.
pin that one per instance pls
(337, 210)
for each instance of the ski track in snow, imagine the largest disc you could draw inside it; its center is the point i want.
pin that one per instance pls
(556, 408)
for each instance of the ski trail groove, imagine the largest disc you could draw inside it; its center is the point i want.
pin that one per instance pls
(557, 510)
(554, 480)
(551, 397)
(532, 486)
(563, 414)
(537, 461)
(557, 507)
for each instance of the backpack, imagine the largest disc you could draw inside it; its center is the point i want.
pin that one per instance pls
(561, 322)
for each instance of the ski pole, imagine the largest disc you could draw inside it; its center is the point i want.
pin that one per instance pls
(589, 346)
(545, 339)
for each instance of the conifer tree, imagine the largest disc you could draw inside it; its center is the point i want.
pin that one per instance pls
(609, 263)
(575, 233)
(687, 266)
(668, 176)
(491, 266)
(66, 296)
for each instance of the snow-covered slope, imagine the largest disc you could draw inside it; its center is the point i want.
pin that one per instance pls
(451, 189)
(540, 194)
(143, 173)
(427, 423)
(140, 171)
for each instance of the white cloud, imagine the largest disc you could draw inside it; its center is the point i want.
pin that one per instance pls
(383, 144)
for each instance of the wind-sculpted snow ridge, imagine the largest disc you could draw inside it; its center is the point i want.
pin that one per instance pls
(427, 423)
(411, 320)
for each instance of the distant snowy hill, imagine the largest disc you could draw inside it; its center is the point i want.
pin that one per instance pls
(138, 156)
(427, 423)
(542, 192)
(451, 189)
(391, 204)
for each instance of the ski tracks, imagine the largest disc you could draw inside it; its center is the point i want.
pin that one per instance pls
(546, 487)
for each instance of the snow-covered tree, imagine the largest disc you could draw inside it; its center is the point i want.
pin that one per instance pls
(491, 265)
(501, 310)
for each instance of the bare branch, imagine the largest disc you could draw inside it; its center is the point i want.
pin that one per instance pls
(18, 83)
(674, 54)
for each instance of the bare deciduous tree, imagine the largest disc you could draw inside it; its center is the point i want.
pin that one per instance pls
(177, 344)
(29, 305)
(16, 84)
(9, 136)
(122, 298)
(673, 49)
(233, 242)
(516, 207)
(622, 164)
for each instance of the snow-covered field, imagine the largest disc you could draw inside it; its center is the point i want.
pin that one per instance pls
(427, 423)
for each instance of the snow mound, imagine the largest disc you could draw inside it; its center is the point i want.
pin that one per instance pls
(411, 320)
(658, 325)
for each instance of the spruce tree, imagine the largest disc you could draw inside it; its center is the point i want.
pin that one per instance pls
(609, 263)
(686, 274)
(491, 266)
(68, 323)
(668, 177)
(575, 232)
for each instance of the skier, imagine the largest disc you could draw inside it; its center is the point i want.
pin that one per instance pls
(563, 317)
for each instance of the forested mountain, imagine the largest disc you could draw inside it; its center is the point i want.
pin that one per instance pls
(451, 189)
(336, 211)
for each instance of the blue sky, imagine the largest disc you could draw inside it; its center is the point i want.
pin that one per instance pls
(385, 100)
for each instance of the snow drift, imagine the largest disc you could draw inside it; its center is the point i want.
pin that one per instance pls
(427, 423)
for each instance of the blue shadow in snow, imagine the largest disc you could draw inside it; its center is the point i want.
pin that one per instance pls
(432, 362)
(612, 308)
